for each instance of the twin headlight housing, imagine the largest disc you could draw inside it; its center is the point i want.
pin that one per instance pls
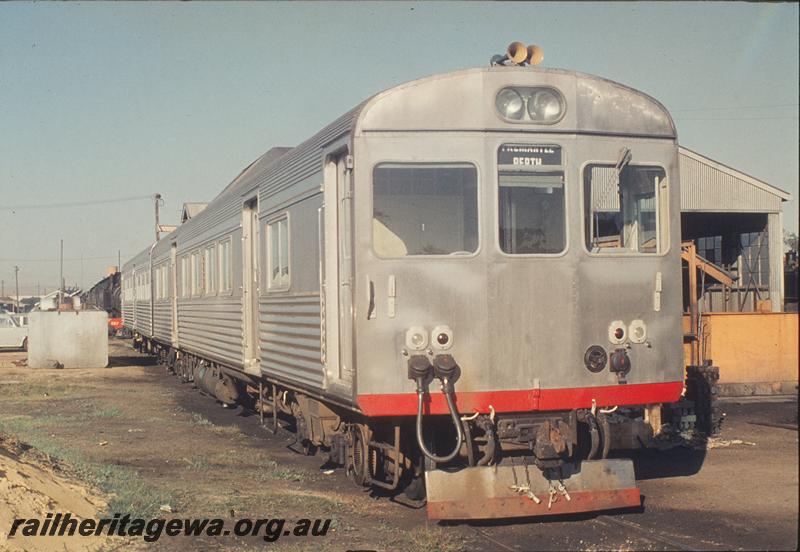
(618, 332)
(440, 338)
(521, 104)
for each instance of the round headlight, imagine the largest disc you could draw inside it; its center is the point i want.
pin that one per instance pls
(509, 103)
(544, 106)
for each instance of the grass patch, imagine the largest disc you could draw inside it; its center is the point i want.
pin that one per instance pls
(124, 487)
(198, 462)
(22, 424)
(435, 539)
(108, 412)
(199, 420)
(33, 391)
(272, 470)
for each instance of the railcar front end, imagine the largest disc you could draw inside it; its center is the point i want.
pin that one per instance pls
(517, 284)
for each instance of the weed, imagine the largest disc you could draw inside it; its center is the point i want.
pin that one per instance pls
(198, 462)
(435, 539)
(108, 412)
(201, 421)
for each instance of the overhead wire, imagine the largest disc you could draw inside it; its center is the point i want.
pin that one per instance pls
(82, 203)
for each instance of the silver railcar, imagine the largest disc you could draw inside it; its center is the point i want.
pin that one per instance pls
(468, 286)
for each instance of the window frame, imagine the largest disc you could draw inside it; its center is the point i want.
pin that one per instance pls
(479, 207)
(563, 167)
(195, 274)
(209, 254)
(277, 219)
(184, 291)
(663, 225)
(219, 268)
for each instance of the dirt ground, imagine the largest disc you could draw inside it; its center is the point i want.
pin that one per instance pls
(130, 439)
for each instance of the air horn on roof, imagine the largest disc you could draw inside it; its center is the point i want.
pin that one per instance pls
(519, 54)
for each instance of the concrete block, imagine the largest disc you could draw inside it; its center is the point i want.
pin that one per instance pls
(74, 339)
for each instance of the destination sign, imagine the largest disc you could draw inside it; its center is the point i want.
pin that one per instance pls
(525, 155)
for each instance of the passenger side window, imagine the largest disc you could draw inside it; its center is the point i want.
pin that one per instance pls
(278, 254)
(224, 252)
(185, 276)
(197, 282)
(210, 262)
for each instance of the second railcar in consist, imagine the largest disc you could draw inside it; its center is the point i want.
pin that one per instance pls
(467, 288)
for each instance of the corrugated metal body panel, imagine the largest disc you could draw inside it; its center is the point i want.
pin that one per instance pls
(143, 318)
(290, 338)
(706, 188)
(162, 321)
(212, 328)
(222, 217)
(127, 314)
(304, 160)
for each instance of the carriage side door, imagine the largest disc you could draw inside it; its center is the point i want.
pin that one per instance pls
(250, 280)
(337, 284)
(173, 291)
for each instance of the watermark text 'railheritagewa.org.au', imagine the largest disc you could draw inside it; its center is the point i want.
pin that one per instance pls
(151, 530)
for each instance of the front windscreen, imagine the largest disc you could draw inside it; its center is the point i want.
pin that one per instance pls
(621, 208)
(532, 213)
(424, 209)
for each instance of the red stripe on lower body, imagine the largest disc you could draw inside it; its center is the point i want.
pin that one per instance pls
(525, 400)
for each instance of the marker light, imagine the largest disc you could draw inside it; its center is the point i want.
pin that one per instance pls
(416, 338)
(637, 331)
(442, 337)
(616, 332)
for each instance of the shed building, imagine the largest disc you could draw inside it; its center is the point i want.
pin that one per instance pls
(735, 221)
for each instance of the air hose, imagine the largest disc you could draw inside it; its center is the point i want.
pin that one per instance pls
(419, 369)
(448, 394)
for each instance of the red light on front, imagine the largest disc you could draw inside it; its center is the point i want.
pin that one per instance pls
(619, 333)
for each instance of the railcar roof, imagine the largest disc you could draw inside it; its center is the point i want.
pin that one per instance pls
(398, 108)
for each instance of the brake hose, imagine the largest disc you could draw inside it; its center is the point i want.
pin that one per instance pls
(448, 394)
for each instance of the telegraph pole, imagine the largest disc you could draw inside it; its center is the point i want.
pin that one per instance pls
(61, 275)
(157, 201)
(16, 283)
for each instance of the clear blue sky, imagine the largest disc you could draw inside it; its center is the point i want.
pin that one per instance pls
(125, 99)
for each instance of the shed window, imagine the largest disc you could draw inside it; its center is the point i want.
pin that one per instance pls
(278, 253)
(424, 209)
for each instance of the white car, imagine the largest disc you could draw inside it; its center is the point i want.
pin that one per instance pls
(12, 334)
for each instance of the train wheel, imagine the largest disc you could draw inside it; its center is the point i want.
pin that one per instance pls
(357, 454)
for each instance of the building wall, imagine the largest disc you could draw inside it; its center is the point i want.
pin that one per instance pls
(757, 353)
(705, 187)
